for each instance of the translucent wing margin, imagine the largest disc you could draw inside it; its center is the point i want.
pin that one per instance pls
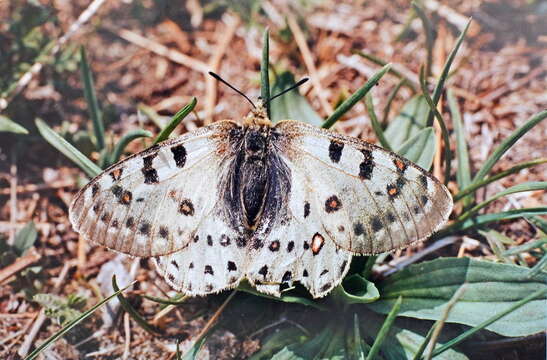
(151, 203)
(369, 200)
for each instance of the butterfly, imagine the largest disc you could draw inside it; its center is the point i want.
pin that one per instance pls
(273, 204)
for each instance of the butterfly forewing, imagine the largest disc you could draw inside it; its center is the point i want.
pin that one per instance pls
(152, 203)
(368, 200)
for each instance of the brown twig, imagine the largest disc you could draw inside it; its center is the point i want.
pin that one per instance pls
(37, 66)
(310, 65)
(38, 187)
(127, 330)
(214, 63)
(157, 48)
(30, 257)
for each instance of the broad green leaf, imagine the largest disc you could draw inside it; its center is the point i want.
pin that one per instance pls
(265, 70)
(8, 125)
(420, 148)
(175, 121)
(328, 344)
(71, 325)
(490, 288)
(291, 106)
(507, 144)
(463, 174)
(355, 97)
(67, 149)
(409, 122)
(124, 141)
(91, 99)
(25, 238)
(355, 290)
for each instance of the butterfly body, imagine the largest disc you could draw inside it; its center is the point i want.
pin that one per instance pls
(270, 203)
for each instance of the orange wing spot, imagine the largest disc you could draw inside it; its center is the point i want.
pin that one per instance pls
(392, 191)
(400, 165)
(126, 197)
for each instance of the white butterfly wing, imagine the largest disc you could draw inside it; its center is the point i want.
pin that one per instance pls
(298, 248)
(152, 203)
(367, 200)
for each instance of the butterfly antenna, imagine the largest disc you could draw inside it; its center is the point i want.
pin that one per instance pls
(216, 76)
(300, 82)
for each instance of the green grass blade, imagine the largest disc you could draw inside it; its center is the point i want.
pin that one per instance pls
(463, 174)
(8, 125)
(476, 185)
(489, 218)
(354, 98)
(124, 141)
(537, 244)
(374, 121)
(175, 300)
(384, 329)
(470, 332)
(376, 60)
(390, 99)
(131, 310)
(506, 145)
(539, 223)
(175, 121)
(72, 324)
(67, 149)
(444, 74)
(423, 345)
(91, 99)
(444, 130)
(527, 186)
(428, 28)
(264, 71)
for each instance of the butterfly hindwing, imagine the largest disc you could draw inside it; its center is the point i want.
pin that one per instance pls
(369, 200)
(152, 203)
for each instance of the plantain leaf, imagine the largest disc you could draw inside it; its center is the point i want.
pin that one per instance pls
(490, 289)
(67, 149)
(420, 148)
(25, 238)
(409, 122)
(291, 106)
(356, 290)
(8, 125)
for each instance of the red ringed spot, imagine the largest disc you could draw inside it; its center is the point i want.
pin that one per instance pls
(186, 207)
(274, 245)
(317, 243)
(333, 204)
(392, 191)
(116, 174)
(401, 166)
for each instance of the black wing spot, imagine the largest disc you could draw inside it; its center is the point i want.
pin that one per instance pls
(305, 273)
(416, 209)
(390, 217)
(326, 287)
(263, 271)
(257, 243)
(306, 245)
(424, 199)
(324, 272)
(95, 189)
(196, 238)
(171, 277)
(130, 222)
(164, 233)
(150, 174)
(333, 204)
(241, 242)
(105, 217)
(232, 266)
(225, 240)
(423, 180)
(376, 224)
(287, 276)
(115, 224)
(306, 209)
(179, 155)
(209, 240)
(335, 151)
(358, 229)
(367, 166)
(175, 264)
(208, 270)
(290, 246)
(191, 266)
(145, 228)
